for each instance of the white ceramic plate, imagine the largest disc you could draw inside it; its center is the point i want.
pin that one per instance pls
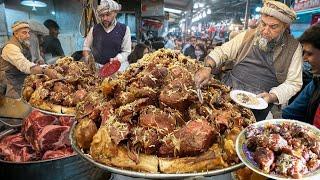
(44, 65)
(247, 157)
(261, 104)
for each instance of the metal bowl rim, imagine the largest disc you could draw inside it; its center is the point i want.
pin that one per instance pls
(148, 175)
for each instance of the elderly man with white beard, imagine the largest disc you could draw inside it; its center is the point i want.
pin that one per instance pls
(266, 61)
(15, 59)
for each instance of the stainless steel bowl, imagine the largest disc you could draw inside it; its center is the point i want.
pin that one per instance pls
(72, 168)
(136, 174)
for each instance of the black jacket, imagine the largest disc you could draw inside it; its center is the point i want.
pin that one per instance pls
(190, 51)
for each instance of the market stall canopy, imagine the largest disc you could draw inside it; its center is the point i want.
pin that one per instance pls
(225, 9)
(178, 4)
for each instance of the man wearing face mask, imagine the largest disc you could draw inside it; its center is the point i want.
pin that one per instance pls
(15, 58)
(108, 40)
(266, 61)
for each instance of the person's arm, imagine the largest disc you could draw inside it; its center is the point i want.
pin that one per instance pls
(88, 43)
(125, 47)
(298, 108)
(13, 55)
(226, 52)
(293, 82)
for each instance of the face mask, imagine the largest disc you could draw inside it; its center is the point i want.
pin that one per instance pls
(198, 53)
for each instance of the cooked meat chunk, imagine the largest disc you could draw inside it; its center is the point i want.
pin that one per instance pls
(264, 157)
(276, 142)
(195, 137)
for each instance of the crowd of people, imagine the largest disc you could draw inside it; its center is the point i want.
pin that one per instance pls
(192, 46)
(266, 60)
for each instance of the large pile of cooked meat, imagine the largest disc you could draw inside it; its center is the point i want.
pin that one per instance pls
(64, 83)
(286, 149)
(42, 137)
(152, 108)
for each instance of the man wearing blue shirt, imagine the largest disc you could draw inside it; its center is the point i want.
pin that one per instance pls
(306, 106)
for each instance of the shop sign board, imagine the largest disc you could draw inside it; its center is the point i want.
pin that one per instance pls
(151, 8)
(301, 5)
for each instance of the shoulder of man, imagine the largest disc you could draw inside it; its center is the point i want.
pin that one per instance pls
(123, 26)
(8, 47)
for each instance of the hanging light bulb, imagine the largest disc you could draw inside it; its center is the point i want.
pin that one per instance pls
(33, 3)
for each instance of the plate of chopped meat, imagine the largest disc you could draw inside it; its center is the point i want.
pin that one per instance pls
(248, 99)
(281, 149)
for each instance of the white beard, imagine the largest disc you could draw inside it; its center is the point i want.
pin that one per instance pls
(263, 44)
(26, 43)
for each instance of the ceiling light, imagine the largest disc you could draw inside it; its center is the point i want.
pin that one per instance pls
(33, 3)
(258, 9)
(177, 11)
(196, 5)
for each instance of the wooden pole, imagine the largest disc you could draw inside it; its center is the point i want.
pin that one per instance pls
(247, 14)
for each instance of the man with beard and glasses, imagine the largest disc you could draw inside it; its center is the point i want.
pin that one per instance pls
(306, 107)
(266, 61)
(15, 58)
(108, 40)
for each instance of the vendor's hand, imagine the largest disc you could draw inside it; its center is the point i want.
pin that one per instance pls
(202, 76)
(86, 59)
(36, 69)
(268, 97)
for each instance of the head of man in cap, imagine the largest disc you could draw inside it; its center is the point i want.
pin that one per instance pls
(21, 31)
(107, 12)
(275, 20)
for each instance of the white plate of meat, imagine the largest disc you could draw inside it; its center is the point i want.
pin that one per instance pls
(248, 99)
(281, 149)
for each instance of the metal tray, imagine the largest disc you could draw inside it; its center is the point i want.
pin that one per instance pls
(71, 167)
(148, 175)
(41, 110)
(52, 113)
(45, 111)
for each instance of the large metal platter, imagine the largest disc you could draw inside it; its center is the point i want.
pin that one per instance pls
(147, 175)
(41, 110)
(52, 113)
(45, 111)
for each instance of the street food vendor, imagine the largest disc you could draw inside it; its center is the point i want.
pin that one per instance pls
(108, 40)
(15, 57)
(266, 60)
